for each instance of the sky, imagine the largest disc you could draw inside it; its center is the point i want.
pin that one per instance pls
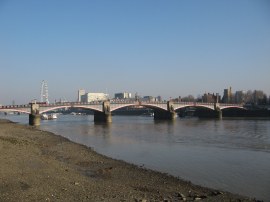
(169, 48)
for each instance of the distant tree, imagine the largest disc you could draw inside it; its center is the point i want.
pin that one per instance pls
(258, 97)
(265, 99)
(249, 97)
(232, 98)
(188, 98)
(199, 98)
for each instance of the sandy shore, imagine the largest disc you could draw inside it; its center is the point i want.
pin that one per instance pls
(40, 166)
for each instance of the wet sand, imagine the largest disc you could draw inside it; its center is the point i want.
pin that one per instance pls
(40, 166)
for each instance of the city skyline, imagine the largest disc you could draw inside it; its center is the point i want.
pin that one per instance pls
(171, 49)
(235, 96)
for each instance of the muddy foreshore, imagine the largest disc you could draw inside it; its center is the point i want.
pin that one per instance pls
(40, 166)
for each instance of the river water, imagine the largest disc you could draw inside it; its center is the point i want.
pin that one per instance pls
(230, 154)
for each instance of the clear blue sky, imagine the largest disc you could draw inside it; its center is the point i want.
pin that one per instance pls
(152, 47)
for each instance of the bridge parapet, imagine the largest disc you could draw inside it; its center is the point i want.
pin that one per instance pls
(96, 106)
(122, 104)
(16, 108)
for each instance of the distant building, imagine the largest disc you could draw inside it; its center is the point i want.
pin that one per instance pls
(211, 98)
(123, 95)
(137, 97)
(80, 93)
(227, 96)
(151, 99)
(148, 98)
(90, 97)
(159, 98)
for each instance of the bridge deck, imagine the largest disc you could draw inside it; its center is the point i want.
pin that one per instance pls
(97, 106)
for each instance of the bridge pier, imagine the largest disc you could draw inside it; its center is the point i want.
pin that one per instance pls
(164, 115)
(170, 114)
(219, 114)
(218, 111)
(105, 116)
(34, 117)
(100, 117)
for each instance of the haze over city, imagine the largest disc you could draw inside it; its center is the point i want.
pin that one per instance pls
(167, 48)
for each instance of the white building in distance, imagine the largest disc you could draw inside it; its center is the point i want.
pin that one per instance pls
(80, 93)
(91, 97)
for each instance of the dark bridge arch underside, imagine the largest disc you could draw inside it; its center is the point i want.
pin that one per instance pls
(15, 110)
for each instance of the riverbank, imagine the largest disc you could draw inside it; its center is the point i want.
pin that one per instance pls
(40, 166)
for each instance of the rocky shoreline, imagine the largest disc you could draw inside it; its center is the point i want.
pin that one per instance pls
(40, 166)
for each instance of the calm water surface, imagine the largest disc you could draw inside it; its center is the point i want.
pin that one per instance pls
(231, 155)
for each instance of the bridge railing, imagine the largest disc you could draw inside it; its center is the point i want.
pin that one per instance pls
(207, 103)
(70, 103)
(195, 103)
(14, 106)
(227, 104)
(115, 102)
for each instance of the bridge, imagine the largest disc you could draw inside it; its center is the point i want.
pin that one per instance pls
(102, 110)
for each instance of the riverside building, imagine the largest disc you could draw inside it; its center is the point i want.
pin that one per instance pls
(91, 97)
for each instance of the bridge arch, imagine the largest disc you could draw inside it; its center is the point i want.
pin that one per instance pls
(149, 106)
(232, 107)
(69, 106)
(195, 106)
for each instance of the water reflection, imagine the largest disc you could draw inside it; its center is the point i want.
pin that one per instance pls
(103, 130)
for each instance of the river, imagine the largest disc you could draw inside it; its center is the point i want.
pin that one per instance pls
(229, 154)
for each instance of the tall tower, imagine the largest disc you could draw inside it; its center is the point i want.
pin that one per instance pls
(44, 97)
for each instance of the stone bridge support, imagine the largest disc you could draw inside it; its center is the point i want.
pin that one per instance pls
(165, 115)
(218, 111)
(105, 116)
(34, 116)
